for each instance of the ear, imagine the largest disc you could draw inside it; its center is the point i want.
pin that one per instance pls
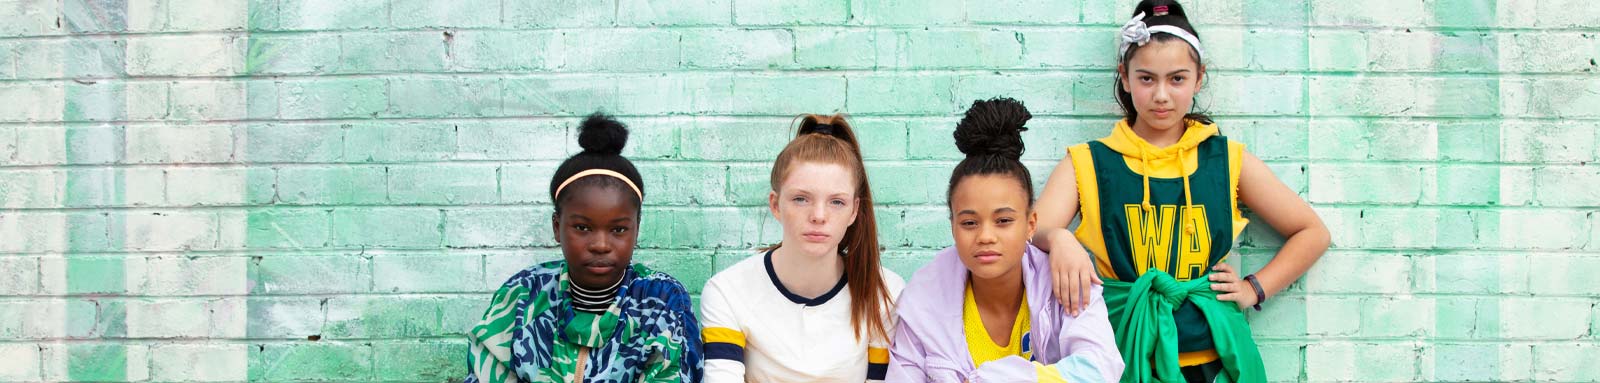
(1033, 222)
(555, 226)
(856, 212)
(772, 203)
(1122, 76)
(1200, 77)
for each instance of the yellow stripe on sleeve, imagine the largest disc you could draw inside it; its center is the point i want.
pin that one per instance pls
(723, 335)
(877, 355)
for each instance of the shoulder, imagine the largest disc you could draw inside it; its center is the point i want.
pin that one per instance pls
(652, 293)
(1080, 157)
(943, 264)
(1076, 153)
(926, 284)
(649, 282)
(1232, 146)
(536, 275)
(1240, 160)
(892, 282)
(521, 288)
(742, 273)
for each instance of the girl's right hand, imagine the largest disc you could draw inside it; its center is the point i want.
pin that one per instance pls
(1072, 271)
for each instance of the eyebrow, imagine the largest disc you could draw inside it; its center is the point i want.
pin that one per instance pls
(1007, 209)
(1169, 73)
(808, 192)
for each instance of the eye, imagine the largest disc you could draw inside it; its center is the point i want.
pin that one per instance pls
(1178, 80)
(619, 230)
(838, 202)
(1006, 221)
(799, 200)
(968, 223)
(582, 227)
(1145, 79)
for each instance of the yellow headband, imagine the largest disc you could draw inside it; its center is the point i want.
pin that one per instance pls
(601, 172)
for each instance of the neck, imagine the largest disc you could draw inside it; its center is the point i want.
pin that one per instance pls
(809, 275)
(1000, 294)
(593, 300)
(1160, 138)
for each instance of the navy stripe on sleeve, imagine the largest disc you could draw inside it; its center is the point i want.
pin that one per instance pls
(877, 371)
(727, 351)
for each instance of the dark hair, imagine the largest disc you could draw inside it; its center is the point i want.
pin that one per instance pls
(602, 139)
(830, 140)
(1174, 17)
(991, 137)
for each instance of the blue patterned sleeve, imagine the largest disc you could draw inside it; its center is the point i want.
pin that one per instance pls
(692, 362)
(680, 357)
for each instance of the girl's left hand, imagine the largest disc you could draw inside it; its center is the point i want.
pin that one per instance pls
(1231, 288)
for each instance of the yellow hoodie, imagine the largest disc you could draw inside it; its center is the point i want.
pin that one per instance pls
(1169, 162)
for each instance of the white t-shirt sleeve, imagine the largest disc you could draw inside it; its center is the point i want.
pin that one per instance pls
(723, 336)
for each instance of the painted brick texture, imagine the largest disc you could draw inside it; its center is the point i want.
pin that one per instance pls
(300, 190)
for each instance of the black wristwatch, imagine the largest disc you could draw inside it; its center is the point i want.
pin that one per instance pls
(1261, 295)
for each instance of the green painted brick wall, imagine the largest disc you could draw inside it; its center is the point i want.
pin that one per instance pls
(301, 190)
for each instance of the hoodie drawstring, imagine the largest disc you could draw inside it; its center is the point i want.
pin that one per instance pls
(1144, 161)
(1188, 227)
(1126, 142)
(1183, 168)
(1187, 200)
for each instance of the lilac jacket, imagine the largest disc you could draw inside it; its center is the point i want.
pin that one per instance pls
(929, 344)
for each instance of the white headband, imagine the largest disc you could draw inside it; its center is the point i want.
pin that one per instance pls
(1136, 32)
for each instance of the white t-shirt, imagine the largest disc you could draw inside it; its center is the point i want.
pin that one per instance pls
(755, 330)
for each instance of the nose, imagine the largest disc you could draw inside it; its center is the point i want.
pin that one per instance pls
(986, 235)
(819, 214)
(1162, 95)
(600, 245)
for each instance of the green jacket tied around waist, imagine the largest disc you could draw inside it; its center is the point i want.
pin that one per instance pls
(1141, 315)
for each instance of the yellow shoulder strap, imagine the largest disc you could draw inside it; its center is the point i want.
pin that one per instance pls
(1235, 163)
(1088, 232)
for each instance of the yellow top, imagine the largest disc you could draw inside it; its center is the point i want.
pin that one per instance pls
(985, 349)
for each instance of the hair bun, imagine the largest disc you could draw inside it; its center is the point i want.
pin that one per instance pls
(993, 127)
(600, 134)
(1162, 9)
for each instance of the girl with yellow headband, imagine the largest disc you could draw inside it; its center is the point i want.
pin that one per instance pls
(593, 316)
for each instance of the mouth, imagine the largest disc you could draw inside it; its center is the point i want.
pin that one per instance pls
(815, 236)
(987, 256)
(1161, 113)
(600, 267)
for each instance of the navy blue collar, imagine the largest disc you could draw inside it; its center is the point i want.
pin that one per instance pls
(818, 301)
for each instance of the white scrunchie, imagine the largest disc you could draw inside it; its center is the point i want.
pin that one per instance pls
(1135, 31)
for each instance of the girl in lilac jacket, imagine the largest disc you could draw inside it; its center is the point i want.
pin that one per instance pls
(984, 310)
